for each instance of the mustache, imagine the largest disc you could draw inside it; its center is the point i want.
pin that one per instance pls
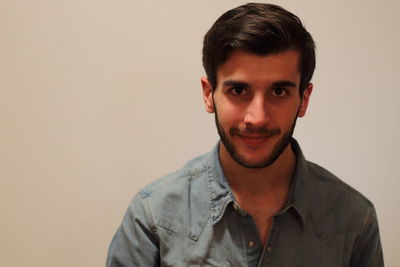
(264, 131)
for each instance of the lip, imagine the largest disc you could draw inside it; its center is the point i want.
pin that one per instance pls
(253, 140)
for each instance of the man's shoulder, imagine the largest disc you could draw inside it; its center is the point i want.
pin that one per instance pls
(179, 202)
(334, 186)
(192, 171)
(336, 205)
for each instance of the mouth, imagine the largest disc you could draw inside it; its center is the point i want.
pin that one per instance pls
(253, 140)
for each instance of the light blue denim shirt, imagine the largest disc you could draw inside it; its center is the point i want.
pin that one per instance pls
(190, 218)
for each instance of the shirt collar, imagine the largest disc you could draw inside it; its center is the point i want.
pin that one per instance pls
(299, 194)
(221, 194)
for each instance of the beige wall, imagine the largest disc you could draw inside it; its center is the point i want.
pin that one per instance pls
(98, 98)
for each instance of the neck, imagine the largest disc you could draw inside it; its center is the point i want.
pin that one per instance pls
(274, 179)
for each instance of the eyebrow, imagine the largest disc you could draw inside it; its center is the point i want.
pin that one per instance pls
(283, 83)
(236, 83)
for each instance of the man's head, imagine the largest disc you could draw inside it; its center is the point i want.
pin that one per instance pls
(261, 29)
(259, 62)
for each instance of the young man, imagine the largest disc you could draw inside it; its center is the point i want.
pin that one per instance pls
(253, 200)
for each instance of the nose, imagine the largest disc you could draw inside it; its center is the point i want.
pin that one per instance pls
(257, 112)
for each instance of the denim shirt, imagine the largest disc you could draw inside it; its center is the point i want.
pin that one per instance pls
(191, 218)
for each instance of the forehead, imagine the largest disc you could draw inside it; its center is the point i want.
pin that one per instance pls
(254, 68)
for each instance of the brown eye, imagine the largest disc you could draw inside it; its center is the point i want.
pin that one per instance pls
(278, 91)
(238, 90)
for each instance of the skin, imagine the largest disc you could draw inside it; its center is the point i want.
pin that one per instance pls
(256, 104)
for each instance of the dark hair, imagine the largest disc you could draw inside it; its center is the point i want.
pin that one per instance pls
(261, 29)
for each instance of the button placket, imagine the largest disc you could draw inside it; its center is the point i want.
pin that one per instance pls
(251, 244)
(266, 255)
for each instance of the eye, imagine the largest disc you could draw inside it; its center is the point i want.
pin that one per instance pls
(279, 91)
(237, 90)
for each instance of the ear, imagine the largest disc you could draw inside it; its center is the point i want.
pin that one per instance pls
(304, 101)
(207, 94)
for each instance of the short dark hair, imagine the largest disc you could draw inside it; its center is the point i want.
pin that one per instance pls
(261, 29)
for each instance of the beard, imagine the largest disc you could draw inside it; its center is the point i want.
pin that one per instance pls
(268, 159)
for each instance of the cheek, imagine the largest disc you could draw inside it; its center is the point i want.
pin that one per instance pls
(290, 116)
(283, 115)
(292, 105)
(229, 115)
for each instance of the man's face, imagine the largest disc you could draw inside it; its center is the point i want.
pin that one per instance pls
(256, 103)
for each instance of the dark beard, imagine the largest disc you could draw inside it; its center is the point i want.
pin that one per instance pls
(268, 160)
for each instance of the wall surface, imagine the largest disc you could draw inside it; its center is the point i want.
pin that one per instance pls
(98, 98)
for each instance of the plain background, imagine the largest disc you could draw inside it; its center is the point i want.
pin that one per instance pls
(99, 98)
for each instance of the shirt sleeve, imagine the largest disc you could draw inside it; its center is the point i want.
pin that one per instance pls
(367, 251)
(135, 242)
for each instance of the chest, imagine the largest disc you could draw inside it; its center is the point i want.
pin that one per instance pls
(262, 215)
(263, 223)
(233, 241)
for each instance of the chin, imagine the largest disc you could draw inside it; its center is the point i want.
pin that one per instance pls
(260, 156)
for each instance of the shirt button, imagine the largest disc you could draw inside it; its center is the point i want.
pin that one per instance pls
(269, 249)
(251, 244)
